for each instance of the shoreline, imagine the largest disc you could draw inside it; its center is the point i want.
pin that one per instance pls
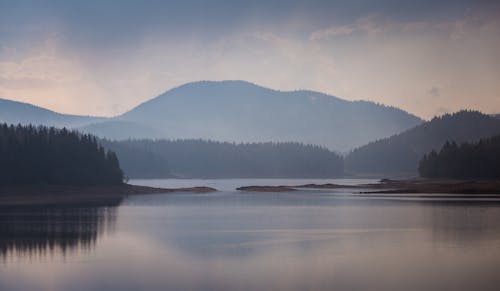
(410, 186)
(435, 186)
(71, 194)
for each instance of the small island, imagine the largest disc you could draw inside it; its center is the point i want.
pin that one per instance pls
(408, 186)
(468, 168)
(266, 188)
(42, 165)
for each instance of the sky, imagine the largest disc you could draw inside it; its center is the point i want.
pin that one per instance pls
(98, 57)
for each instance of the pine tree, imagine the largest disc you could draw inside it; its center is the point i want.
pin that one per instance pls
(41, 155)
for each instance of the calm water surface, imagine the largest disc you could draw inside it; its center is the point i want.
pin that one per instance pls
(302, 240)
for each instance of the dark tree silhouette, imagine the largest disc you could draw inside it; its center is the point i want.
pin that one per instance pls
(468, 160)
(43, 155)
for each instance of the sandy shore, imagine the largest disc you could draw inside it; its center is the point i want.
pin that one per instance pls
(62, 194)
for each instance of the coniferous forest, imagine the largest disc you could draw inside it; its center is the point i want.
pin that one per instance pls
(46, 155)
(210, 159)
(469, 160)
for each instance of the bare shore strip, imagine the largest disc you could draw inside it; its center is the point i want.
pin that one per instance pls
(62, 194)
(411, 186)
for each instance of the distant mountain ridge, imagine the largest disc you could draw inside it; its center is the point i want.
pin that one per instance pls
(400, 154)
(121, 130)
(239, 111)
(14, 112)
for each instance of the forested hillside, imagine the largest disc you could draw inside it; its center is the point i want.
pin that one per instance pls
(42, 155)
(209, 159)
(400, 154)
(139, 162)
(467, 160)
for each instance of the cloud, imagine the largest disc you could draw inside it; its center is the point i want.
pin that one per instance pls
(434, 92)
(332, 32)
(95, 57)
(42, 68)
(367, 25)
(474, 21)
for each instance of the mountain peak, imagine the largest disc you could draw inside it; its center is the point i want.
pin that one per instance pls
(240, 111)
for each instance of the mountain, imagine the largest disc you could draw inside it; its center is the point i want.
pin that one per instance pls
(121, 130)
(239, 111)
(401, 153)
(235, 111)
(13, 112)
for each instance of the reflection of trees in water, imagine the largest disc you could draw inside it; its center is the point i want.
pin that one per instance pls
(466, 223)
(43, 230)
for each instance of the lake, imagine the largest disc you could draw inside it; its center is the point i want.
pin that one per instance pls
(229, 240)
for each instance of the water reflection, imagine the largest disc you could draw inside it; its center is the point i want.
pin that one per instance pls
(464, 225)
(39, 231)
(305, 240)
(316, 241)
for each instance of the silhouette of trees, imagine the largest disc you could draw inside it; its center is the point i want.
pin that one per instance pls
(40, 230)
(204, 159)
(468, 160)
(43, 155)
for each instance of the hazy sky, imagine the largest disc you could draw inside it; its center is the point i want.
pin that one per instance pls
(102, 57)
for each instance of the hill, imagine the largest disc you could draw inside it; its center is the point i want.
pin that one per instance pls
(239, 111)
(13, 112)
(208, 159)
(401, 153)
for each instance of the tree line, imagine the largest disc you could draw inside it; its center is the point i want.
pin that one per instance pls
(468, 160)
(139, 162)
(210, 159)
(46, 155)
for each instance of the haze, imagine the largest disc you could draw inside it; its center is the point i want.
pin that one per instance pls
(103, 58)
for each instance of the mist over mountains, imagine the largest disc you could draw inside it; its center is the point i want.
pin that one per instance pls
(235, 111)
(13, 112)
(384, 141)
(238, 111)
